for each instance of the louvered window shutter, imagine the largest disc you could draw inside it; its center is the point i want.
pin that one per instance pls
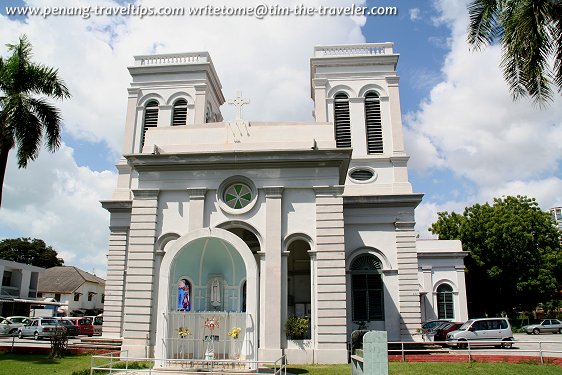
(373, 123)
(150, 118)
(342, 121)
(179, 116)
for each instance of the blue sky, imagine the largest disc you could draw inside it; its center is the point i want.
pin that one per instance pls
(467, 140)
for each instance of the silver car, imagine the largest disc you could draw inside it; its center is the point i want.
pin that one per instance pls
(39, 328)
(483, 331)
(10, 325)
(547, 325)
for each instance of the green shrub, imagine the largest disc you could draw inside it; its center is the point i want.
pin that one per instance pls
(296, 327)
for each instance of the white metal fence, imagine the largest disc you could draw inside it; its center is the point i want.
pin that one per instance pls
(120, 363)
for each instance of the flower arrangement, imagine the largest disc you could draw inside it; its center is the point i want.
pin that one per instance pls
(183, 332)
(234, 332)
(211, 323)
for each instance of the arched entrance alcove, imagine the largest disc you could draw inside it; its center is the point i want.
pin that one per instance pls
(207, 269)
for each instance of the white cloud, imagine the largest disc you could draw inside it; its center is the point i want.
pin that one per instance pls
(415, 14)
(267, 59)
(470, 125)
(58, 201)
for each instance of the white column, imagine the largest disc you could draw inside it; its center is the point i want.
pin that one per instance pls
(284, 293)
(271, 345)
(320, 108)
(429, 310)
(200, 104)
(313, 298)
(395, 116)
(462, 308)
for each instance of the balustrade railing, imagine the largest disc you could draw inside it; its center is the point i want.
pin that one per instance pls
(172, 59)
(367, 49)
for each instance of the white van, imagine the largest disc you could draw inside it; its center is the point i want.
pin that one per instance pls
(483, 331)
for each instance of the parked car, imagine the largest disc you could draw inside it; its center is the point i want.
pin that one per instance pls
(10, 325)
(97, 321)
(23, 320)
(84, 325)
(431, 324)
(39, 328)
(442, 330)
(71, 329)
(545, 326)
(481, 332)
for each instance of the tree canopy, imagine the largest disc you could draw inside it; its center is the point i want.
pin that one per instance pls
(26, 117)
(29, 251)
(515, 256)
(530, 35)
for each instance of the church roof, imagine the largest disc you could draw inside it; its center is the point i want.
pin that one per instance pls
(65, 279)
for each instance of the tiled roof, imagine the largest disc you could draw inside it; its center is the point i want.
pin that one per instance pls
(65, 279)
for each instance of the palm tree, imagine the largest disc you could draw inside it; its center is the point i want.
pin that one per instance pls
(529, 32)
(25, 114)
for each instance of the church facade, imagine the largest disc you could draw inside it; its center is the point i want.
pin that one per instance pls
(221, 230)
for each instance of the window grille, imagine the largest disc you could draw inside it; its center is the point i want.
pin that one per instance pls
(373, 123)
(342, 121)
(445, 305)
(361, 175)
(367, 289)
(150, 118)
(179, 116)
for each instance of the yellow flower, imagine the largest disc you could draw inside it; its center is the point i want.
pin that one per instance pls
(183, 332)
(234, 332)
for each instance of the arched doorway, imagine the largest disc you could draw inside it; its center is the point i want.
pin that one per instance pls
(208, 268)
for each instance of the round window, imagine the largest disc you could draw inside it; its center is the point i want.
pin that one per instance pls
(362, 175)
(237, 195)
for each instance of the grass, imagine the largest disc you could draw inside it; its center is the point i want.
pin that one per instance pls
(34, 364)
(25, 364)
(412, 368)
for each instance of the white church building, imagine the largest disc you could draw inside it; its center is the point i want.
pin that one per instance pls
(218, 224)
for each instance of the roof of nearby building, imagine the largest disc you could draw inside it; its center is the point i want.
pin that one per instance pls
(65, 279)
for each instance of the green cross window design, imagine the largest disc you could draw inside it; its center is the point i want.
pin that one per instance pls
(237, 195)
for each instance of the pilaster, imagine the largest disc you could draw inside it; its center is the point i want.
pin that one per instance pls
(270, 347)
(395, 115)
(461, 300)
(200, 103)
(408, 283)
(115, 282)
(138, 307)
(329, 275)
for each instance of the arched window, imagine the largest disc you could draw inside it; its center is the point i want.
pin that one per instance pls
(179, 116)
(342, 122)
(445, 307)
(150, 118)
(367, 289)
(373, 123)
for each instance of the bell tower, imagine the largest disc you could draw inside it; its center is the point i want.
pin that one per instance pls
(355, 87)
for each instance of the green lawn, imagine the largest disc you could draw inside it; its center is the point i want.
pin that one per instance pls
(22, 364)
(412, 368)
(34, 364)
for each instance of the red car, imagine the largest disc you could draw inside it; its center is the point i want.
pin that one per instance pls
(84, 325)
(443, 329)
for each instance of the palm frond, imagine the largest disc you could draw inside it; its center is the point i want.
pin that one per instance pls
(44, 80)
(50, 118)
(483, 28)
